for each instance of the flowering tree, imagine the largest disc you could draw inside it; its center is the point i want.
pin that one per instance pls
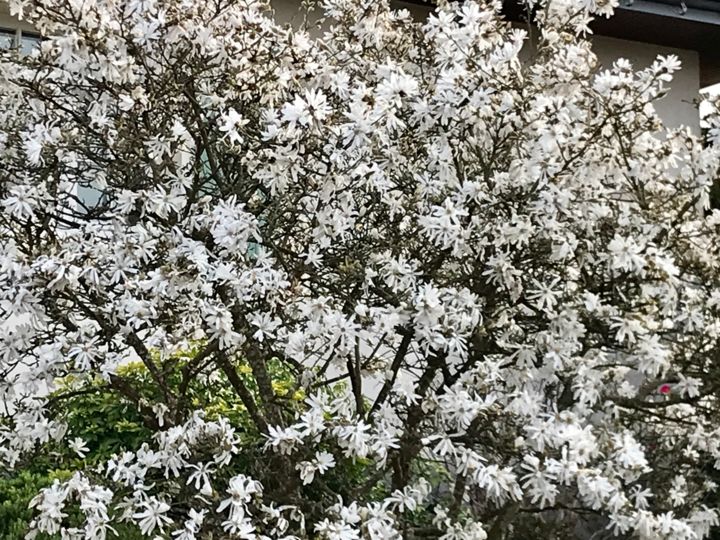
(484, 266)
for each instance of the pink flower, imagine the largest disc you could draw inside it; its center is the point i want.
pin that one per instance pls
(665, 389)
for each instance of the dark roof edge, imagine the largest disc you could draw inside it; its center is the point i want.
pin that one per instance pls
(651, 22)
(657, 22)
(660, 22)
(704, 12)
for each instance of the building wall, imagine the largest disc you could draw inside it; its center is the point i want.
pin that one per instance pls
(7, 22)
(678, 108)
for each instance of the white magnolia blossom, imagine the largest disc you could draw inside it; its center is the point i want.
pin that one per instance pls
(489, 272)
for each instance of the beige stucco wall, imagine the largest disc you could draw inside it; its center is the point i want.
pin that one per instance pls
(677, 108)
(7, 22)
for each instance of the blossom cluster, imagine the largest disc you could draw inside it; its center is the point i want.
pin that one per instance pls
(491, 271)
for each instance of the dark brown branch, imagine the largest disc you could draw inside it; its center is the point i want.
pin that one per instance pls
(189, 371)
(127, 390)
(394, 369)
(243, 393)
(356, 379)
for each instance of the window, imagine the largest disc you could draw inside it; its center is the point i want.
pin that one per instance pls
(22, 40)
(28, 42)
(7, 38)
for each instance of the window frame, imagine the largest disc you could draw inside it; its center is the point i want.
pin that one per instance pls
(18, 35)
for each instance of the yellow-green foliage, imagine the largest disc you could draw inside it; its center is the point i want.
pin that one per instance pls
(110, 424)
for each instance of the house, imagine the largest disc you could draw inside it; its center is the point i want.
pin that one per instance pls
(639, 31)
(14, 33)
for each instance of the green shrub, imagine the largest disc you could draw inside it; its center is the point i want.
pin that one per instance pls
(16, 491)
(110, 424)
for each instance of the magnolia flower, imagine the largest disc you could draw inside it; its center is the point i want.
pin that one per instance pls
(241, 490)
(200, 478)
(192, 525)
(231, 122)
(283, 440)
(79, 446)
(152, 515)
(304, 109)
(307, 471)
(239, 527)
(323, 462)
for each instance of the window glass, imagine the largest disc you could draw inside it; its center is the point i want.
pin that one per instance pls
(89, 196)
(28, 42)
(24, 41)
(7, 38)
